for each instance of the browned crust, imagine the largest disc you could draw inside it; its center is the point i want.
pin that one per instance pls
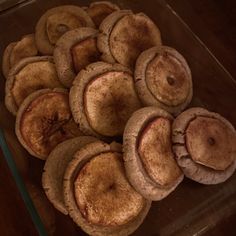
(21, 111)
(138, 33)
(85, 8)
(55, 166)
(107, 4)
(133, 165)
(41, 38)
(105, 29)
(191, 169)
(140, 79)
(81, 157)
(21, 49)
(76, 96)
(9, 99)
(10, 50)
(62, 53)
(110, 4)
(6, 59)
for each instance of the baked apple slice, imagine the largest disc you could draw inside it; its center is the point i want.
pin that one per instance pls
(98, 195)
(98, 11)
(149, 161)
(44, 120)
(125, 35)
(28, 76)
(103, 98)
(205, 145)
(17, 51)
(55, 166)
(163, 79)
(57, 21)
(74, 51)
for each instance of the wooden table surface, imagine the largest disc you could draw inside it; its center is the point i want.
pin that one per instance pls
(214, 22)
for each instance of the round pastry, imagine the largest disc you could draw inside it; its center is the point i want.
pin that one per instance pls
(57, 21)
(44, 120)
(74, 51)
(205, 146)
(5, 60)
(16, 51)
(98, 11)
(103, 98)
(54, 169)
(27, 76)
(125, 35)
(163, 79)
(149, 161)
(98, 195)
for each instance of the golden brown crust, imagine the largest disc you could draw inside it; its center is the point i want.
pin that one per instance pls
(88, 101)
(44, 120)
(54, 169)
(24, 48)
(85, 53)
(52, 25)
(6, 59)
(27, 76)
(218, 162)
(105, 29)
(205, 138)
(135, 170)
(106, 204)
(163, 79)
(107, 107)
(62, 53)
(175, 89)
(98, 11)
(84, 156)
(155, 152)
(130, 36)
(16, 51)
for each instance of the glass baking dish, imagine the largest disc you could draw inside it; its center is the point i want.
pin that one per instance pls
(192, 209)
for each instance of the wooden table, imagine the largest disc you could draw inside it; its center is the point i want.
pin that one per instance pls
(214, 22)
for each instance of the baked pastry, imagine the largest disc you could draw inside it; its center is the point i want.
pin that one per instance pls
(98, 195)
(27, 76)
(163, 79)
(125, 35)
(44, 120)
(98, 11)
(16, 51)
(74, 51)
(57, 21)
(205, 145)
(149, 161)
(55, 166)
(103, 98)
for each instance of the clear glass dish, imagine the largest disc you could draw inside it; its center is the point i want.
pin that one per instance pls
(192, 209)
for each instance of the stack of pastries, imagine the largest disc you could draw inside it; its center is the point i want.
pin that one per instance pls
(103, 102)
